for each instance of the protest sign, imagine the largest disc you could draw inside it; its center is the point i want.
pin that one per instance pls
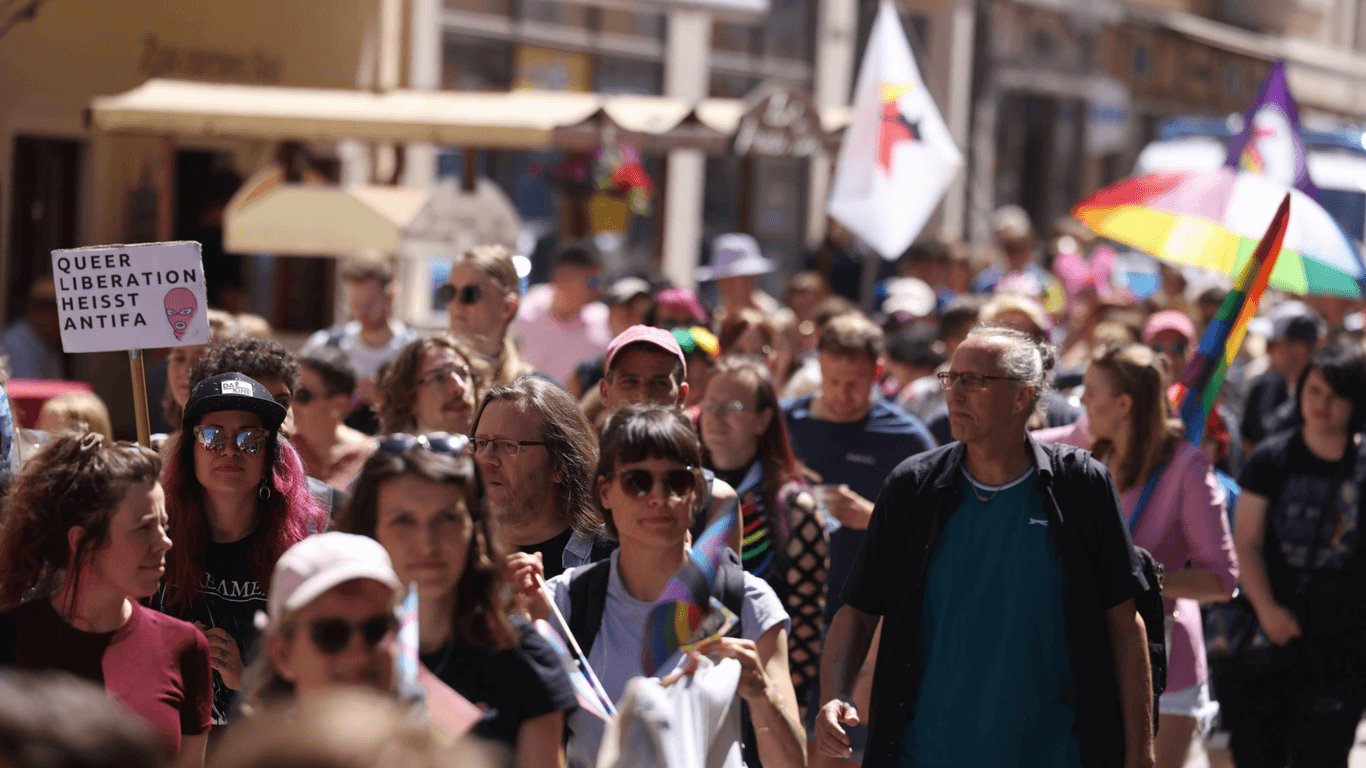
(118, 297)
(112, 298)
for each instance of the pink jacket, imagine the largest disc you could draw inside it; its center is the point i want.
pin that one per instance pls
(1185, 522)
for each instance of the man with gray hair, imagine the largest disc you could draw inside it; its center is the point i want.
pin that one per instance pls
(1005, 580)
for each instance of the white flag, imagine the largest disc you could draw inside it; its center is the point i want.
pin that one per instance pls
(898, 156)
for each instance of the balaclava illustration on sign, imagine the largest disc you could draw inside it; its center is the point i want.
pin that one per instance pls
(180, 308)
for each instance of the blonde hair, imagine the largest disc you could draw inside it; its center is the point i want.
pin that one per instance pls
(79, 411)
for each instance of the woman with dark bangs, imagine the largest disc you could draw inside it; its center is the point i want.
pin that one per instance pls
(420, 498)
(649, 489)
(784, 538)
(83, 542)
(237, 499)
(1299, 699)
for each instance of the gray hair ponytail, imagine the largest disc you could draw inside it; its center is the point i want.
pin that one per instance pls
(1023, 357)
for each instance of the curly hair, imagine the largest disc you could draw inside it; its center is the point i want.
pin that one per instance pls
(569, 441)
(78, 479)
(481, 594)
(284, 518)
(398, 382)
(257, 358)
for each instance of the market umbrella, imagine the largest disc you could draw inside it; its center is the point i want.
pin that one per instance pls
(1215, 218)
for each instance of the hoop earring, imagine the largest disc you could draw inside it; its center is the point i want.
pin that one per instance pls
(264, 491)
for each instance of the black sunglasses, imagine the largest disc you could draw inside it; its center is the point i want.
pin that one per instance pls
(333, 635)
(437, 442)
(249, 441)
(467, 294)
(676, 482)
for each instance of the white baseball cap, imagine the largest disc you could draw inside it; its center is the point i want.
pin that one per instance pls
(318, 563)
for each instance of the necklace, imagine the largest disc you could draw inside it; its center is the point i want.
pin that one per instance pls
(988, 497)
(445, 657)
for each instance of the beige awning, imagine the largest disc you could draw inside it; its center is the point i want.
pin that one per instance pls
(524, 119)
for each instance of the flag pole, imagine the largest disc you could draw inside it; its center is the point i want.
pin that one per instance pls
(139, 374)
(580, 657)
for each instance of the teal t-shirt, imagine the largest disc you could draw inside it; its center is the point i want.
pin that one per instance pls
(996, 684)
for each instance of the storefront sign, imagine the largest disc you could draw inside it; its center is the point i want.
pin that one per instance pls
(779, 122)
(123, 297)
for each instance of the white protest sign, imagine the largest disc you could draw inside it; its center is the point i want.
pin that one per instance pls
(124, 297)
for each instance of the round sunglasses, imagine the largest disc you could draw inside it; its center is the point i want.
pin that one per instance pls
(446, 443)
(332, 635)
(249, 441)
(676, 483)
(466, 294)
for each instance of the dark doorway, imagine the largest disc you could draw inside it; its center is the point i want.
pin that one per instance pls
(43, 212)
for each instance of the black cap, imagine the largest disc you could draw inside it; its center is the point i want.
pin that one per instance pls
(233, 392)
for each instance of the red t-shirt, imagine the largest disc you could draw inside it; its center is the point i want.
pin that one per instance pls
(156, 665)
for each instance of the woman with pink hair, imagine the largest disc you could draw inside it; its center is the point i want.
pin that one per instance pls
(237, 499)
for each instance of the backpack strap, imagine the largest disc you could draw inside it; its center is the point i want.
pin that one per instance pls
(587, 600)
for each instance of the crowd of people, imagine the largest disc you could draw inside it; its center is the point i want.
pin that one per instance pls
(965, 516)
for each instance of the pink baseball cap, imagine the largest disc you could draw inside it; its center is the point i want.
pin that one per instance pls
(1169, 320)
(646, 334)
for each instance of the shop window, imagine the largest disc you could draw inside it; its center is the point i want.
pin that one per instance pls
(613, 74)
(628, 23)
(476, 64)
(1233, 79)
(1143, 62)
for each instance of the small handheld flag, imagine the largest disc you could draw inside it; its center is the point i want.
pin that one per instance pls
(684, 612)
(449, 714)
(584, 691)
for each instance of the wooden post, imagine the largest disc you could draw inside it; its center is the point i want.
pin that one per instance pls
(139, 373)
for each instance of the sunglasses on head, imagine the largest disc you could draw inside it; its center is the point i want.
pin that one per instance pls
(437, 442)
(250, 440)
(677, 483)
(332, 635)
(466, 294)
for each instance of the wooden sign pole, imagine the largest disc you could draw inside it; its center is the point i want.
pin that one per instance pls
(139, 373)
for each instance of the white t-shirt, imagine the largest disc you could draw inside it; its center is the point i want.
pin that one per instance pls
(615, 656)
(367, 359)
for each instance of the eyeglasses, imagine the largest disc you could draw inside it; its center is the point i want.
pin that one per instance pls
(676, 483)
(249, 441)
(436, 442)
(972, 382)
(723, 408)
(439, 377)
(1174, 349)
(332, 635)
(501, 446)
(466, 294)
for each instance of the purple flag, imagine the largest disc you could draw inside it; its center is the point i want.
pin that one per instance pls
(1270, 142)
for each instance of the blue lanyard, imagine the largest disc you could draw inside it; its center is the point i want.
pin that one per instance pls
(1145, 496)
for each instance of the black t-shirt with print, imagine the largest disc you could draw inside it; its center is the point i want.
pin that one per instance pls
(231, 597)
(1311, 540)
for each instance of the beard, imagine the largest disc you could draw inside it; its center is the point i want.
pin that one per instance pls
(525, 501)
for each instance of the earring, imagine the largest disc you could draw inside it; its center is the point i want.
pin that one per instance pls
(264, 491)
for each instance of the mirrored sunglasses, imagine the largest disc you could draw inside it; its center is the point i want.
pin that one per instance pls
(332, 635)
(249, 441)
(437, 442)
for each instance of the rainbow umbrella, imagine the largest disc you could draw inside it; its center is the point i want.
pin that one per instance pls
(1215, 218)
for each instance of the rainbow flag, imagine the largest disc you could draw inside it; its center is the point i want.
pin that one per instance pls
(1204, 374)
(684, 612)
(592, 700)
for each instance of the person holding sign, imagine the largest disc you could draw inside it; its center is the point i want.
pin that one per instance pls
(84, 540)
(237, 500)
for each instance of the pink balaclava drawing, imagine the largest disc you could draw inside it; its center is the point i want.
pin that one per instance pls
(180, 308)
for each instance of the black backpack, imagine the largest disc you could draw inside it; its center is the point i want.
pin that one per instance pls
(588, 599)
(1154, 613)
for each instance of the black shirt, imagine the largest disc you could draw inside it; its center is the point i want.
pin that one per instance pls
(232, 596)
(511, 686)
(552, 553)
(1265, 395)
(1310, 546)
(1098, 558)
